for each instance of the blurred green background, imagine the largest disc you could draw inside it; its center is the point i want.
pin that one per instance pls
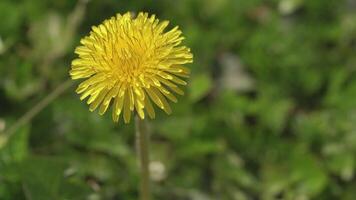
(270, 110)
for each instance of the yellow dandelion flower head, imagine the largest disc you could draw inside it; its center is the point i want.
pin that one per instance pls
(128, 62)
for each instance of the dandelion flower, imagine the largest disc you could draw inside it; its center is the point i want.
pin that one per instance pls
(128, 62)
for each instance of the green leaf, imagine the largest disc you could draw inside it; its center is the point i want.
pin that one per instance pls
(15, 147)
(198, 148)
(200, 87)
(70, 190)
(42, 177)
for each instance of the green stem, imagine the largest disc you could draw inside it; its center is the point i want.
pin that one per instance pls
(142, 145)
(38, 107)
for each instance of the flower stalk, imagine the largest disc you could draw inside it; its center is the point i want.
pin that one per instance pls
(142, 146)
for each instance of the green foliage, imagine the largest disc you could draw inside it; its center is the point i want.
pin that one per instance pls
(270, 110)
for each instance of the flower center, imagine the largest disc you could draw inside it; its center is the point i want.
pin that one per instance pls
(131, 63)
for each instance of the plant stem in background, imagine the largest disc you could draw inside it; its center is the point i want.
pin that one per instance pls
(142, 145)
(38, 107)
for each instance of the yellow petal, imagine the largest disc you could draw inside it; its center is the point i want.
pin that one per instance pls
(90, 81)
(178, 80)
(98, 100)
(154, 97)
(166, 106)
(106, 102)
(139, 109)
(168, 94)
(171, 86)
(139, 92)
(132, 98)
(127, 112)
(149, 108)
(117, 108)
